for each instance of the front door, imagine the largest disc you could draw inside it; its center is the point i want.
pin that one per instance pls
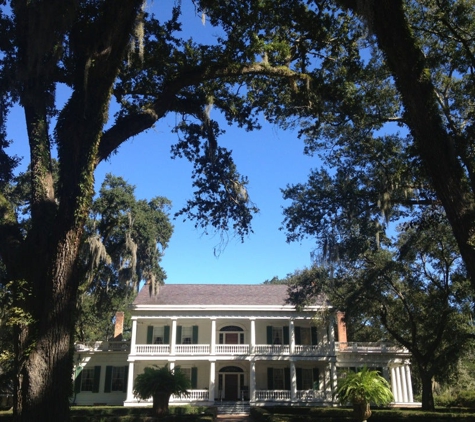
(231, 385)
(231, 338)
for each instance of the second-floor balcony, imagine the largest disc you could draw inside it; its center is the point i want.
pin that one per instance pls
(232, 350)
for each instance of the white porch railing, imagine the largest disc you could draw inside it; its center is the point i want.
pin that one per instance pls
(311, 395)
(194, 395)
(272, 395)
(271, 349)
(304, 350)
(103, 346)
(232, 349)
(368, 347)
(246, 349)
(152, 349)
(192, 349)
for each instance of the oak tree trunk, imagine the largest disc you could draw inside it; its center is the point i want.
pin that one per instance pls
(427, 393)
(46, 346)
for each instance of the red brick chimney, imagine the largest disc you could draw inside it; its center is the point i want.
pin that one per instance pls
(341, 329)
(119, 324)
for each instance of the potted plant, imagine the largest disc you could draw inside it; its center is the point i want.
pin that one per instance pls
(362, 388)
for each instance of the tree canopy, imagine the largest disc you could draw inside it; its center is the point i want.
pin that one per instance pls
(342, 70)
(125, 239)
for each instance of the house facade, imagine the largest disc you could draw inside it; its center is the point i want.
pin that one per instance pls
(236, 343)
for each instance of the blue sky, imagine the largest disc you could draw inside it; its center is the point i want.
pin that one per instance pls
(271, 158)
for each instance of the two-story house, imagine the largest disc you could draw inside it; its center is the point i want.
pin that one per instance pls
(235, 342)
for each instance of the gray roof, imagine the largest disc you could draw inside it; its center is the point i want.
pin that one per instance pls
(215, 294)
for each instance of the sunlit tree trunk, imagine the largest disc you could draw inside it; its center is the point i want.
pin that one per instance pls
(160, 403)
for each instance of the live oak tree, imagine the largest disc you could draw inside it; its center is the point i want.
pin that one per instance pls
(125, 240)
(285, 59)
(418, 293)
(405, 62)
(99, 52)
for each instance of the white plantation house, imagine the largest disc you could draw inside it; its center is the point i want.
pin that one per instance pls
(236, 343)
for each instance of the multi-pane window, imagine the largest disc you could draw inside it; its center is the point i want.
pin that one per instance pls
(87, 379)
(187, 372)
(307, 379)
(186, 335)
(118, 378)
(278, 374)
(305, 336)
(277, 336)
(158, 335)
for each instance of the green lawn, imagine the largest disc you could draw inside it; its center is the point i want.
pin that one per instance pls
(267, 414)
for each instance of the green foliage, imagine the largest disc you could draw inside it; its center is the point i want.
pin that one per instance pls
(365, 386)
(161, 380)
(160, 383)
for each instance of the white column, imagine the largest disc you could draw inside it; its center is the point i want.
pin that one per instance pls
(130, 380)
(394, 383)
(133, 339)
(293, 382)
(212, 380)
(252, 381)
(213, 336)
(171, 365)
(398, 384)
(409, 383)
(173, 337)
(333, 377)
(402, 372)
(253, 335)
(292, 335)
(331, 333)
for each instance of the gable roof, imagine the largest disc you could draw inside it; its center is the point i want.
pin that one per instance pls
(215, 295)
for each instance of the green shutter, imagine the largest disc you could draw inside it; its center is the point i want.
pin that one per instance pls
(298, 337)
(97, 379)
(107, 384)
(314, 335)
(166, 335)
(77, 381)
(126, 376)
(149, 334)
(270, 378)
(269, 334)
(286, 378)
(299, 378)
(178, 334)
(316, 379)
(195, 335)
(286, 335)
(194, 377)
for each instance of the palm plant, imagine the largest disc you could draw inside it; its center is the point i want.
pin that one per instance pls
(362, 388)
(160, 384)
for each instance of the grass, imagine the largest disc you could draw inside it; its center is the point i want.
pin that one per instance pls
(260, 414)
(340, 414)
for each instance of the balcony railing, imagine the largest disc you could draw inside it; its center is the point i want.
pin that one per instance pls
(152, 349)
(258, 349)
(271, 349)
(368, 347)
(232, 349)
(103, 346)
(192, 349)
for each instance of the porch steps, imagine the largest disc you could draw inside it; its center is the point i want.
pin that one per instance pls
(233, 408)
